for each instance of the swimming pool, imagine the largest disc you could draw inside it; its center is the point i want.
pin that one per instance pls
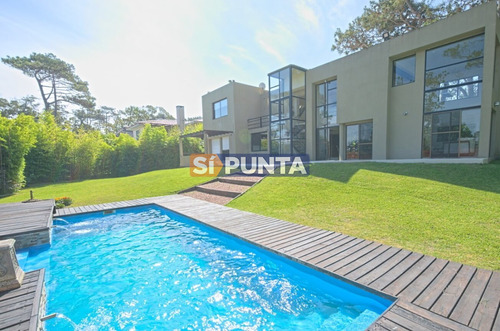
(147, 268)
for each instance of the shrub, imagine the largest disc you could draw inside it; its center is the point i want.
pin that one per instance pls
(65, 201)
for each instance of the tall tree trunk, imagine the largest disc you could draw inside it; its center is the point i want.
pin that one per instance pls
(55, 98)
(44, 97)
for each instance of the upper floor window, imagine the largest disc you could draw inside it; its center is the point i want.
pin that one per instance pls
(454, 75)
(220, 108)
(326, 104)
(403, 71)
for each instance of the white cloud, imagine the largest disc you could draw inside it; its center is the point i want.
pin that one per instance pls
(276, 41)
(304, 9)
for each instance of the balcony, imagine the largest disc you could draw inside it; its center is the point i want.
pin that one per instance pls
(258, 122)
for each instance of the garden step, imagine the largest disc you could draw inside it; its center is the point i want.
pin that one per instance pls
(240, 180)
(218, 199)
(224, 189)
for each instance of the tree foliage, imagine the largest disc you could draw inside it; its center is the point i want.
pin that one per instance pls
(27, 105)
(395, 18)
(16, 139)
(57, 81)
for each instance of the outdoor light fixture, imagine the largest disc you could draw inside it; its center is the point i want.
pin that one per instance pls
(497, 103)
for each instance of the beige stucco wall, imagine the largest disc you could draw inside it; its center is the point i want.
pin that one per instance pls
(244, 102)
(365, 89)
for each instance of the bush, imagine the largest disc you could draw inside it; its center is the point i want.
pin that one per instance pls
(65, 201)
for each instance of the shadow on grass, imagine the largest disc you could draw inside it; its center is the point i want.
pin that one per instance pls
(485, 177)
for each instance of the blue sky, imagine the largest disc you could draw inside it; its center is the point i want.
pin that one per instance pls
(165, 52)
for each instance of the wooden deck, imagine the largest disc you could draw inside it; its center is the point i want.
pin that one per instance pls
(433, 294)
(28, 223)
(25, 217)
(20, 309)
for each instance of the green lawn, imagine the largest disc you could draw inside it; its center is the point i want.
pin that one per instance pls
(447, 211)
(95, 191)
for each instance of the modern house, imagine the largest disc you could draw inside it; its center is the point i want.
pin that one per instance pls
(433, 93)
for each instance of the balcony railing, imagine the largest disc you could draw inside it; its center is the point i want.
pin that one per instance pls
(258, 122)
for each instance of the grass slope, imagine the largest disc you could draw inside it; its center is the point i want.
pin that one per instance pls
(447, 211)
(95, 191)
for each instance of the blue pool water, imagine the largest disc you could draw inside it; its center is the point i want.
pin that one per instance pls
(147, 268)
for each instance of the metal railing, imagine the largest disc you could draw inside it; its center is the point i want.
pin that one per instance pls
(258, 122)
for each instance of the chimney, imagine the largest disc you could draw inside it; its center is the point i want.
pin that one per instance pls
(180, 117)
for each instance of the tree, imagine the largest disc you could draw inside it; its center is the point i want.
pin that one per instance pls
(27, 105)
(394, 18)
(48, 160)
(16, 139)
(57, 81)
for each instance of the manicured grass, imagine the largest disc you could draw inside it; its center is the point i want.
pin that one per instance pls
(95, 191)
(447, 211)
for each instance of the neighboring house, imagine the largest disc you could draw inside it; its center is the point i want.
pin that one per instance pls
(136, 129)
(432, 93)
(233, 115)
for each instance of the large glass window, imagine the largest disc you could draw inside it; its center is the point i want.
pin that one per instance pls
(259, 142)
(452, 100)
(359, 141)
(327, 130)
(287, 111)
(403, 71)
(220, 108)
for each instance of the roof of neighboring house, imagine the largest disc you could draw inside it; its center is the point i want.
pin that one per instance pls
(209, 133)
(160, 122)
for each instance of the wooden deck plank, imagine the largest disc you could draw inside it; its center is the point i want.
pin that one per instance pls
(421, 321)
(347, 251)
(406, 278)
(354, 256)
(390, 325)
(467, 305)
(326, 247)
(21, 326)
(402, 320)
(396, 271)
(16, 306)
(286, 241)
(358, 262)
(302, 239)
(429, 315)
(487, 308)
(329, 240)
(428, 297)
(305, 244)
(419, 284)
(452, 293)
(383, 268)
(372, 264)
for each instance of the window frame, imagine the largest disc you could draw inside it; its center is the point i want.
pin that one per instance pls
(214, 110)
(262, 134)
(359, 143)
(448, 105)
(394, 64)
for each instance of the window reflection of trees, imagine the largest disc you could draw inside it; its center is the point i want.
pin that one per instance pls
(453, 82)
